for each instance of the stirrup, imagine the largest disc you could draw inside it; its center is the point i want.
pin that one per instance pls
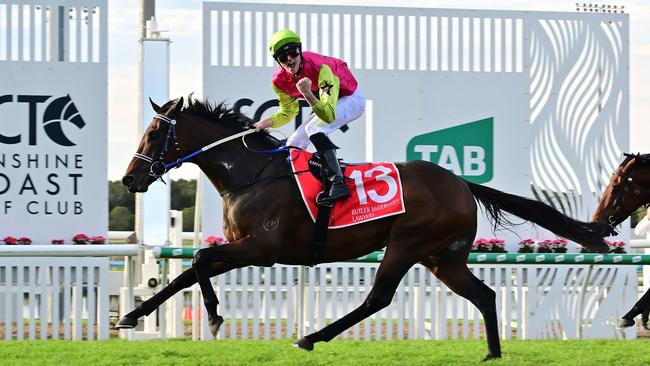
(331, 199)
(321, 199)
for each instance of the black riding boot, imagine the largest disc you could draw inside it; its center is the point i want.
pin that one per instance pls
(331, 168)
(339, 189)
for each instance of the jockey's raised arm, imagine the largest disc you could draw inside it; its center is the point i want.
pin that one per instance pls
(333, 94)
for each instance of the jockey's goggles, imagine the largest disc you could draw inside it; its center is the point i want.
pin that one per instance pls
(283, 54)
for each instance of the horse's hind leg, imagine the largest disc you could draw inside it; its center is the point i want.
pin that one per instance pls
(389, 274)
(462, 281)
(184, 280)
(638, 308)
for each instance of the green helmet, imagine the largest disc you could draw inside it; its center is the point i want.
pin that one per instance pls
(282, 38)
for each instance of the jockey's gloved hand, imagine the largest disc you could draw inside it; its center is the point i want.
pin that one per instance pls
(263, 124)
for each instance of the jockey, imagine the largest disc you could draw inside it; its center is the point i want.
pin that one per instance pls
(331, 90)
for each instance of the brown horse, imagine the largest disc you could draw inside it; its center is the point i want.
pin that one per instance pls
(628, 189)
(266, 222)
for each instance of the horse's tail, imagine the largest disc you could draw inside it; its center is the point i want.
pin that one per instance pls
(539, 213)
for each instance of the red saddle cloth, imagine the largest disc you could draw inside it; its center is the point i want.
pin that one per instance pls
(376, 191)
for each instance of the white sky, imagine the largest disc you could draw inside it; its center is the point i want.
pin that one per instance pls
(183, 20)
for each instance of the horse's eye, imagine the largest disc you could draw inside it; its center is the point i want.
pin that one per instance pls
(153, 135)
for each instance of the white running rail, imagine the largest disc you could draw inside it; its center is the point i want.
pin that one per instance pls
(56, 292)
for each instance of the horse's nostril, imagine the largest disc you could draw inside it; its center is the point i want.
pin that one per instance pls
(127, 180)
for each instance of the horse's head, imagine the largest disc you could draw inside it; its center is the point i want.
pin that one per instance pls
(157, 146)
(628, 189)
(201, 126)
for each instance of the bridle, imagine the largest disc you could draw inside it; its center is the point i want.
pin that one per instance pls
(628, 184)
(158, 167)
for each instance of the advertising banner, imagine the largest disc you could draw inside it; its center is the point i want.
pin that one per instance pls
(53, 130)
(513, 100)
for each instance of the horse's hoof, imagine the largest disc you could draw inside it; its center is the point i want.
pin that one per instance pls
(624, 323)
(491, 357)
(215, 325)
(304, 343)
(126, 323)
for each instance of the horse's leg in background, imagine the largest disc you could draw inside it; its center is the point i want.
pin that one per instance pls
(638, 308)
(184, 280)
(392, 269)
(462, 281)
(244, 252)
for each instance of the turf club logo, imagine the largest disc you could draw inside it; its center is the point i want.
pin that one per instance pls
(59, 115)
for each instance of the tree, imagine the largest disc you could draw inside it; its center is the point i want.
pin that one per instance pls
(188, 219)
(183, 194)
(121, 219)
(637, 216)
(121, 204)
(119, 196)
(183, 199)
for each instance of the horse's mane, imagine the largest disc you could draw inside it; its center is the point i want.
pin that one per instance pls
(640, 158)
(221, 113)
(644, 158)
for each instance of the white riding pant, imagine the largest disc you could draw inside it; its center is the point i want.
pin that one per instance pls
(348, 109)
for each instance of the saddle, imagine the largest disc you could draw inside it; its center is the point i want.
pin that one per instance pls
(377, 193)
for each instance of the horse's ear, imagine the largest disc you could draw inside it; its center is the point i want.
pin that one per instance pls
(176, 107)
(156, 107)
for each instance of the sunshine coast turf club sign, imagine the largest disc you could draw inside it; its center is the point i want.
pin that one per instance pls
(22, 171)
(52, 167)
(53, 135)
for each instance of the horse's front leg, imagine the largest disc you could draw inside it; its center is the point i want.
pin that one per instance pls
(245, 252)
(184, 280)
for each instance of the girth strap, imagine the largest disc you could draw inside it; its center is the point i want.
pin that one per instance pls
(319, 235)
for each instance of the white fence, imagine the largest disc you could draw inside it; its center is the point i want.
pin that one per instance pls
(66, 296)
(533, 302)
(63, 294)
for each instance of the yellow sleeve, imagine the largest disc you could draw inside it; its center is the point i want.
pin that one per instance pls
(329, 86)
(288, 108)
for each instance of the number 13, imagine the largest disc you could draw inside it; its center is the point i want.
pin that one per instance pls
(384, 176)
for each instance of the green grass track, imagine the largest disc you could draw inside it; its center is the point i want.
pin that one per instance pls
(335, 353)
